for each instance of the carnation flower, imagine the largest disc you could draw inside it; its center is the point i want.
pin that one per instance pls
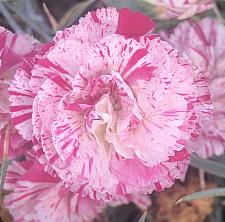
(181, 9)
(14, 50)
(113, 106)
(204, 44)
(39, 197)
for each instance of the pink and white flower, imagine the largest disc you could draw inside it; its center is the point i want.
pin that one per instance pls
(114, 106)
(14, 50)
(179, 9)
(37, 196)
(203, 43)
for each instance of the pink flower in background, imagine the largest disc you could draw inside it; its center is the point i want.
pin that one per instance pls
(114, 107)
(203, 43)
(39, 197)
(179, 9)
(14, 49)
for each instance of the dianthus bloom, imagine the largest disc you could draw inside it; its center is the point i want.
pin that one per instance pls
(179, 9)
(38, 197)
(113, 107)
(14, 50)
(203, 43)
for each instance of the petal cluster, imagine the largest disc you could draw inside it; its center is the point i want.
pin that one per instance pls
(37, 196)
(111, 108)
(179, 9)
(203, 44)
(14, 50)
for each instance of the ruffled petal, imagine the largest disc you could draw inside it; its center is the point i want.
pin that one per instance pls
(179, 9)
(93, 27)
(21, 100)
(203, 44)
(38, 197)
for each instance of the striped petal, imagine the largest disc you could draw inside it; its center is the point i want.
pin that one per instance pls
(207, 51)
(93, 27)
(14, 49)
(38, 197)
(181, 9)
(21, 100)
(107, 21)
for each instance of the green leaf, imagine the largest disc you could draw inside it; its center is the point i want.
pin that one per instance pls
(5, 160)
(143, 217)
(73, 14)
(121, 4)
(210, 166)
(214, 192)
(4, 168)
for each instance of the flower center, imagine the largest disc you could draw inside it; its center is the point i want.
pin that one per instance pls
(109, 109)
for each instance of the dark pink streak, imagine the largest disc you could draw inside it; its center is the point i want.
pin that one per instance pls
(3, 37)
(19, 108)
(179, 155)
(19, 94)
(133, 24)
(61, 82)
(144, 73)
(95, 17)
(19, 119)
(134, 59)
